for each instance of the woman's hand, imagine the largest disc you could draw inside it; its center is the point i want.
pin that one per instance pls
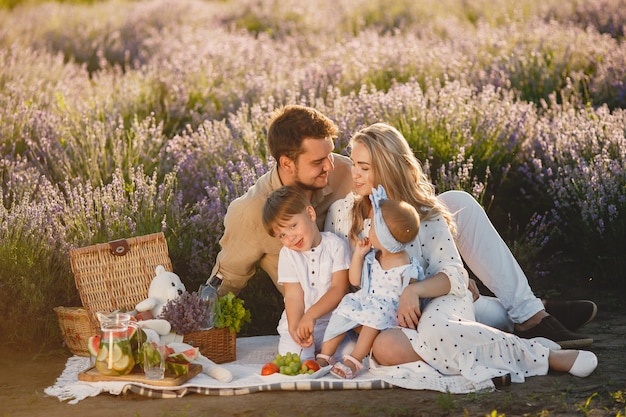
(409, 311)
(473, 288)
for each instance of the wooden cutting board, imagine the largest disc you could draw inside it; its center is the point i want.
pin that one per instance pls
(137, 375)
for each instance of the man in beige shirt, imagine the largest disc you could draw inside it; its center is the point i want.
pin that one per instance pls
(301, 140)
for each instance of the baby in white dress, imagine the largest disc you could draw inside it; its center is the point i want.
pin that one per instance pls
(382, 268)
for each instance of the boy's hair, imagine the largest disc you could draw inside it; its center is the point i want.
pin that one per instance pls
(292, 124)
(282, 204)
(401, 219)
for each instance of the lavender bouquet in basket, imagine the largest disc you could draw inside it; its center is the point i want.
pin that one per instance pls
(185, 313)
(189, 311)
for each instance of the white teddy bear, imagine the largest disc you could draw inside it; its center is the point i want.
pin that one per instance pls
(165, 286)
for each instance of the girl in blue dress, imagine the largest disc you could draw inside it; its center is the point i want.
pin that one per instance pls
(382, 268)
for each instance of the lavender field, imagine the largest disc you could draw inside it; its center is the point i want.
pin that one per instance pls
(124, 118)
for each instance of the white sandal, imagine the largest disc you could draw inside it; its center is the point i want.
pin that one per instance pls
(342, 370)
(585, 363)
(329, 359)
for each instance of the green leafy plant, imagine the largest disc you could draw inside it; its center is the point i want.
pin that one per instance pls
(231, 313)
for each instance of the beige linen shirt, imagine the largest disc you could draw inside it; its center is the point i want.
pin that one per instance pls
(245, 243)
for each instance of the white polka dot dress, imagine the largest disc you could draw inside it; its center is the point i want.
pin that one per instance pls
(448, 337)
(450, 341)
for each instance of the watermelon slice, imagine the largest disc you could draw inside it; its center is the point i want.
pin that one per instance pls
(93, 345)
(136, 338)
(187, 355)
(177, 368)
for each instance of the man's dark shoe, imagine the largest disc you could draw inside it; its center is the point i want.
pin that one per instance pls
(550, 328)
(572, 314)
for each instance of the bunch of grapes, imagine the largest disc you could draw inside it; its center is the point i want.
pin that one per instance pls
(289, 364)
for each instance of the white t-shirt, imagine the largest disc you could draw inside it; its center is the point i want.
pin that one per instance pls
(314, 268)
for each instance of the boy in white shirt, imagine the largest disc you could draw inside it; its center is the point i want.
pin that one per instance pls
(312, 267)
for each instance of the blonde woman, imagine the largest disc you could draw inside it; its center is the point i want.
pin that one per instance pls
(448, 337)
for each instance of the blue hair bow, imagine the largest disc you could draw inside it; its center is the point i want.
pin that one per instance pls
(382, 231)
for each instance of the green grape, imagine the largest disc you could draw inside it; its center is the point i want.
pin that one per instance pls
(290, 364)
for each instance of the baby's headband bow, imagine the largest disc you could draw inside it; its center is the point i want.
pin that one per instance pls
(382, 231)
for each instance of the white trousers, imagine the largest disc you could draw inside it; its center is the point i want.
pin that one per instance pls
(489, 258)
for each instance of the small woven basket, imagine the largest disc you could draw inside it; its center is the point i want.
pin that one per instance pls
(219, 345)
(76, 328)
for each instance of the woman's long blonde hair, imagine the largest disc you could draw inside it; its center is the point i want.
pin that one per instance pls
(395, 167)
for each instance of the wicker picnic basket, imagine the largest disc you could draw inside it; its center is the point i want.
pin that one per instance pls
(117, 275)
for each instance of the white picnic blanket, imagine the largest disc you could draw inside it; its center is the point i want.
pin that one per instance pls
(252, 353)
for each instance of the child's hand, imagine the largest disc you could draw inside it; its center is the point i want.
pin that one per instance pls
(362, 247)
(294, 335)
(307, 343)
(304, 331)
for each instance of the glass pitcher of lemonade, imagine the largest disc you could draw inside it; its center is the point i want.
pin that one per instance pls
(115, 355)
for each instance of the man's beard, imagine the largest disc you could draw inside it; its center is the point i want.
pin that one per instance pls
(308, 187)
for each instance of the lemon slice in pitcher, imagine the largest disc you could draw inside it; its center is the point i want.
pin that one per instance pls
(122, 363)
(116, 353)
(102, 354)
